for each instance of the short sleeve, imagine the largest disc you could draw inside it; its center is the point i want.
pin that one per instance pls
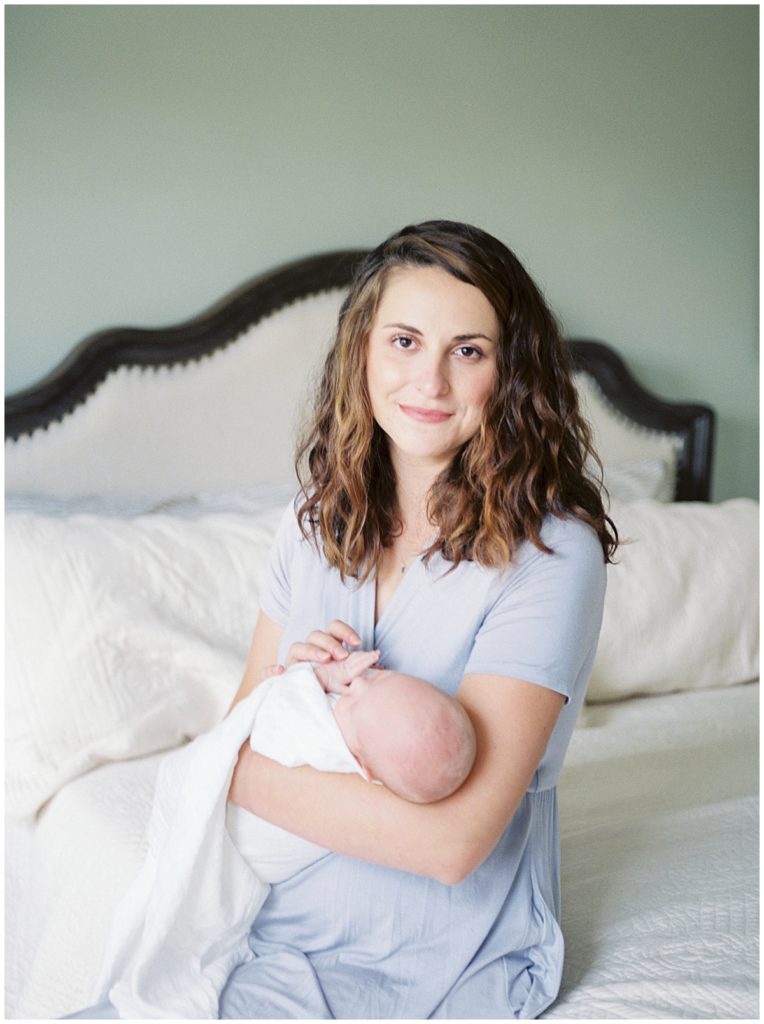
(276, 595)
(543, 623)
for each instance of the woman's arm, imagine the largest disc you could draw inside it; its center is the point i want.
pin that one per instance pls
(447, 840)
(262, 658)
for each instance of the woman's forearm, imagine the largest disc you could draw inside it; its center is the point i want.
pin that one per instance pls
(348, 815)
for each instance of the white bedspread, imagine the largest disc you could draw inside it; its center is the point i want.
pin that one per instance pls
(659, 865)
(659, 821)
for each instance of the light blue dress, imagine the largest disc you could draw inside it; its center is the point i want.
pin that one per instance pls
(349, 939)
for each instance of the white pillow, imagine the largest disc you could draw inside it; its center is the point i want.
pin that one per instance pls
(123, 637)
(682, 603)
(633, 479)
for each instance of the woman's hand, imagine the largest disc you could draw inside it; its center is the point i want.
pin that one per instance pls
(324, 645)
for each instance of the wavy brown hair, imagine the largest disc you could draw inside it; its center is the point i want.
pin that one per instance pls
(531, 457)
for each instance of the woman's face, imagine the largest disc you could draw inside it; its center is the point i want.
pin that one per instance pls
(431, 364)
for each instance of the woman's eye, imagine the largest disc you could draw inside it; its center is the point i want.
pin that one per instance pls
(469, 352)
(402, 341)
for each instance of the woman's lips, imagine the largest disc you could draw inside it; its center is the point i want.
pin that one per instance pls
(425, 415)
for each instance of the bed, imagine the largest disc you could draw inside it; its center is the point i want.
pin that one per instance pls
(144, 481)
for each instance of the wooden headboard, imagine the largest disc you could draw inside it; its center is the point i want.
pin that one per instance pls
(212, 404)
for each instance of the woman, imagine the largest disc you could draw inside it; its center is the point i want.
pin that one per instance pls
(448, 518)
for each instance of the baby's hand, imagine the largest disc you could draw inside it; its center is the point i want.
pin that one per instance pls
(338, 675)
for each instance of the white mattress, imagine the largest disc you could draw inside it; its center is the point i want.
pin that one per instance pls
(659, 866)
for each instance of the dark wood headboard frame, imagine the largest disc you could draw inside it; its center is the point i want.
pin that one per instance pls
(98, 355)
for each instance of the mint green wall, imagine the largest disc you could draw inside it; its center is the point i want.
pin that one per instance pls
(158, 156)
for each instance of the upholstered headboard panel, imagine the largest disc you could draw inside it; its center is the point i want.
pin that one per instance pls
(213, 404)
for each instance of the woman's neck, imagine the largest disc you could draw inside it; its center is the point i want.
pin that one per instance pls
(413, 484)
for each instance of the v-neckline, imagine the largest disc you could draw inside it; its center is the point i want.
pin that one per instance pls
(394, 600)
(413, 568)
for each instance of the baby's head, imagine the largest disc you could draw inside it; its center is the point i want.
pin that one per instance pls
(407, 733)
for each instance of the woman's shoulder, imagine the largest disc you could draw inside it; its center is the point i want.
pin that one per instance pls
(571, 532)
(289, 523)
(288, 536)
(565, 536)
(575, 554)
(293, 539)
(574, 564)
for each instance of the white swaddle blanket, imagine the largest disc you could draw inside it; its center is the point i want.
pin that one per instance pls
(183, 924)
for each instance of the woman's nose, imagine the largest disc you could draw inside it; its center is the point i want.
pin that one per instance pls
(433, 379)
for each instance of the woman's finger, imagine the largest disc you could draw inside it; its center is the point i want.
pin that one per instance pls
(343, 632)
(323, 645)
(327, 643)
(324, 639)
(334, 636)
(307, 652)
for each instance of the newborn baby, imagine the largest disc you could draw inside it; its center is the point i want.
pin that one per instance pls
(183, 925)
(403, 731)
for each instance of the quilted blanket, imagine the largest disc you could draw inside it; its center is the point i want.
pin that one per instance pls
(659, 823)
